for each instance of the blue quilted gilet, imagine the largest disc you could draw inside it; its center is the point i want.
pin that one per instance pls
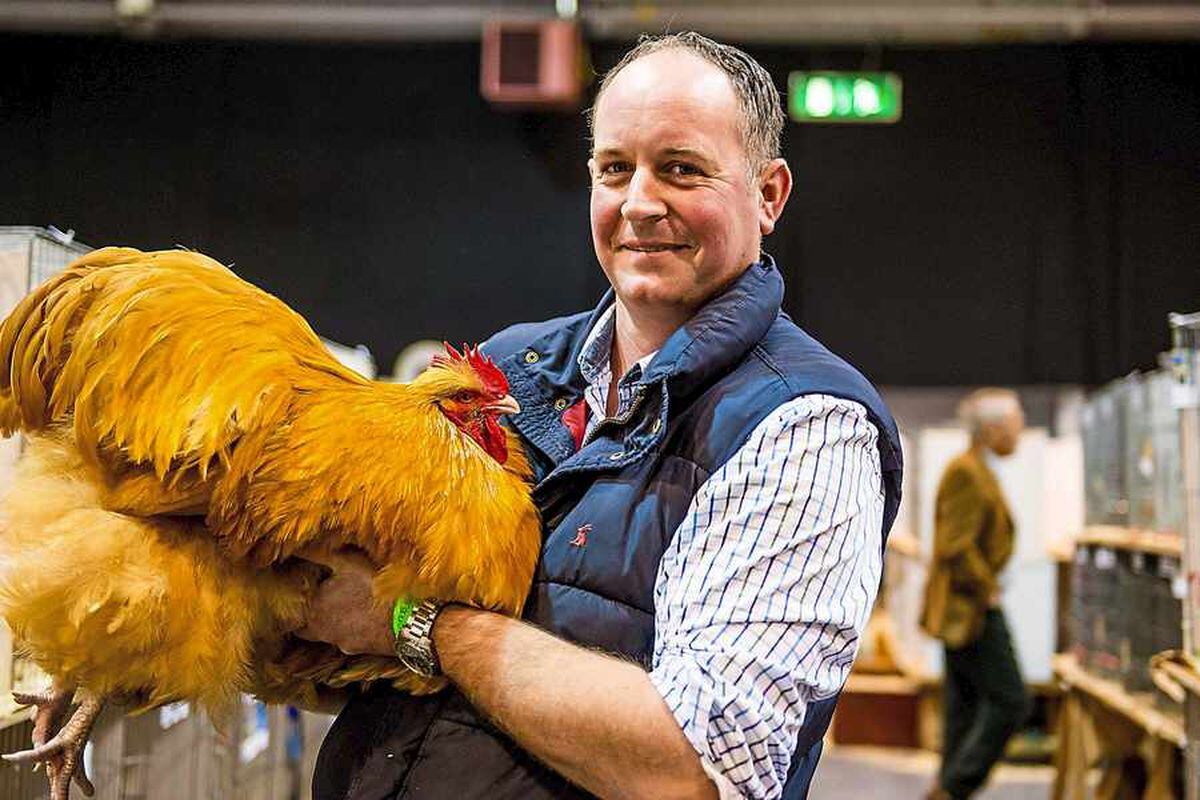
(609, 511)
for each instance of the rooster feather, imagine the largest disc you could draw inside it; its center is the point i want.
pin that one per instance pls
(191, 442)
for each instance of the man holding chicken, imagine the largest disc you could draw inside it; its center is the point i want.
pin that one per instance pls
(715, 488)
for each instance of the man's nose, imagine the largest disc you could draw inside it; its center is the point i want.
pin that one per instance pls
(642, 198)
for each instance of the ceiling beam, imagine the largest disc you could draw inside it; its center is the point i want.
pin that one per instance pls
(849, 23)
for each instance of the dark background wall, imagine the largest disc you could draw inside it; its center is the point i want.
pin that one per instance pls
(1031, 219)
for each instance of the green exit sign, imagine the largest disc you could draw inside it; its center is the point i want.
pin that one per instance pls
(844, 97)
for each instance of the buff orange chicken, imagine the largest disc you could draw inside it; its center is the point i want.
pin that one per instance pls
(192, 450)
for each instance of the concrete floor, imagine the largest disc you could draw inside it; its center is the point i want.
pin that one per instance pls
(874, 773)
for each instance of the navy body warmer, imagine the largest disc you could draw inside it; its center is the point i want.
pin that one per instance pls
(699, 400)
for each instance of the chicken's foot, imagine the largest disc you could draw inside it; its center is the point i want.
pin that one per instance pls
(52, 705)
(62, 753)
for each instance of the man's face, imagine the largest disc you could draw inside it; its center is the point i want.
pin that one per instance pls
(1002, 436)
(675, 216)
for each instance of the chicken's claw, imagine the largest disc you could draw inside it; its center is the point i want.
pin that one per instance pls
(39, 699)
(62, 753)
(51, 705)
(83, 782)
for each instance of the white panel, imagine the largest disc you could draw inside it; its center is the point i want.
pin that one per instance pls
(904, 571)
(14, 274)
(1062, 509)
(1021, 477)
(1030, 608)
(907, 515)
(13, 277)
(1029, 581)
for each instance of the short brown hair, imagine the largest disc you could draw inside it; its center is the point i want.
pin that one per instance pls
(761, 121)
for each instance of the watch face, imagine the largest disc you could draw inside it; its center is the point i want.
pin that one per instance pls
(414, 647)
(414, 658)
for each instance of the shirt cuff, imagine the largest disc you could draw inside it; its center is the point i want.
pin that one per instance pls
(737, 767)
(725, 788)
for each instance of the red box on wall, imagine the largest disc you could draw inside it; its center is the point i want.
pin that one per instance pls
(532, 64)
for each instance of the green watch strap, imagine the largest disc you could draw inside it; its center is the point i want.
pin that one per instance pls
(401, 613)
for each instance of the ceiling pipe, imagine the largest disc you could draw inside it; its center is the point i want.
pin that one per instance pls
(793, 24)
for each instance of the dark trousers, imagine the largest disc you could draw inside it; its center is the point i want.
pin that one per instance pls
(985, 703)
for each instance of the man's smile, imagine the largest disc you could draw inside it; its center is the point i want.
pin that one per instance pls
(651, 247)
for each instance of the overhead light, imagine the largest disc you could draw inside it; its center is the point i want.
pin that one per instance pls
(134, 9)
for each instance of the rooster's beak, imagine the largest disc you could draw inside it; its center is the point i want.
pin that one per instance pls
(505, 405)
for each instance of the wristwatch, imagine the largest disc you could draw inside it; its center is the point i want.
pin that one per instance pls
(414, 642)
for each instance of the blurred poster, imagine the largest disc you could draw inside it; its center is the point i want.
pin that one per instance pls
(256, 730)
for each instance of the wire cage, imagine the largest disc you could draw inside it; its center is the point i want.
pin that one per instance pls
(19, 784)
(42, 251)
(1164, 415)
(1104, 423)
(1185, 365)
(28, 256)
(176, 751)
(1152, 467)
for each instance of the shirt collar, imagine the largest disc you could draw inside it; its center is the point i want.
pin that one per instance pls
(595, 357)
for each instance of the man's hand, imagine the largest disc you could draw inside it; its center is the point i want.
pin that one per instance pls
(625, 743)
(343, 612)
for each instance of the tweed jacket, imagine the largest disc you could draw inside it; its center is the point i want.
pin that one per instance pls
(973, 540)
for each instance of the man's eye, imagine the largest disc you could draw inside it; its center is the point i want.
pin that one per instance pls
(683, 169)
(614, 168)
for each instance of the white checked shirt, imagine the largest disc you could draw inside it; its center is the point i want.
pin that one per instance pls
(763, 592)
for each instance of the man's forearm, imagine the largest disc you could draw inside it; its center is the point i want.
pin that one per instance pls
(595, 719)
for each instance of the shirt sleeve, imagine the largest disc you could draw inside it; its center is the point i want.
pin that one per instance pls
(762, 594)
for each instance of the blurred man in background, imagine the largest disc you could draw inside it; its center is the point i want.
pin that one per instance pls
(985, 700)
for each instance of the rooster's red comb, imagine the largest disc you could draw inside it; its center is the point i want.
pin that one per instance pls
(491, 376)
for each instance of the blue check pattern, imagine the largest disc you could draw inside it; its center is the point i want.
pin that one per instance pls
(596, 367)
(766, 587)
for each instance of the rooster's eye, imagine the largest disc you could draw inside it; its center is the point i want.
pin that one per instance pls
(462, 396)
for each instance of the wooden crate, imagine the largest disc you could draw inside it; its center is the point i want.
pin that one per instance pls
(881, 710)
(177, 753)
(19, 783)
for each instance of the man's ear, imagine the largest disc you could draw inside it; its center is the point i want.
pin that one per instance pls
(774, 188)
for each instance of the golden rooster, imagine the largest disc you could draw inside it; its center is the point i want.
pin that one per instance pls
(190, 443)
